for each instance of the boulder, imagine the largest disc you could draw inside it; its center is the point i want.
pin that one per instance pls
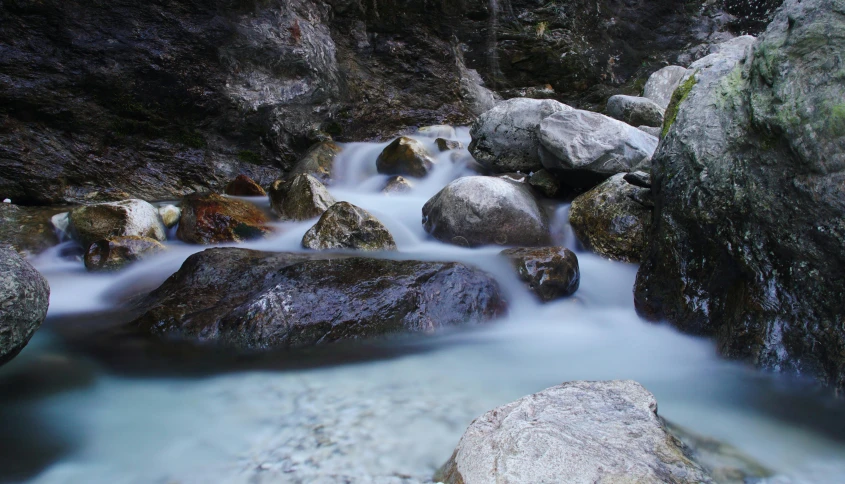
(661, 84)
(301, 198)
(115, 253)
(244, 186)
(318, 162)
(28, 229)
(651, 130)
(750, 214)
(257, 300)
(170, 215)
(448, 144)
(635, 110)
(397, 184)
(544, 182)
(579, 433)
(550, 272)
(613, 219)
(479, 210)
(24, 297)
(91, 223)
(583, 148)
(405, 156)
(214, 219)
(505, 138)
(345, 226)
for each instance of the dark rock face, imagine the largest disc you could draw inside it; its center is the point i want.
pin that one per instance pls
(747, 237)
(24, 296)
(405, 156)
(244, 186)
(115, 253)
(255, 300)
(345, 226)
(550, 272)
(213, 219)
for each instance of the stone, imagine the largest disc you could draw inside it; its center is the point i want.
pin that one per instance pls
(578, 432)
(661, 84)
(651, 130)
(24, 297)
(397, 184)
(115, 253)
(635, 111)
(318, 162)
(583, 148)
(544, 182)
(550, 272)
(345, 226)
(301, 198)
(438, 131)
(214, 219)
(170, 215)
(613, 219)
(244, 186)
(253, 300)
(448, 144)
(479, 210)
(405, 156)
(91, 223)
(28, 229)
(505, 139)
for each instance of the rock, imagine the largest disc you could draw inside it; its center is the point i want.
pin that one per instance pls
(613, 219)
(544, 182)
(28, 229)
(662, 84)
(91, 223)
(651, 130)
(60, 223)
(505, 138)
(170, 215)
(115, 253)
(397, 184)
(213, 219)
(478, 210)
(244, 186)
(24, 296)
(318, 162)
(749, 222)
(635, 111)
(438, 131)
(577, 432)
(584, 148)
(405, 156)
(258, 300)
(514, 177)
(447, 144)
(345, 226)
(550, 272)
(301, 198)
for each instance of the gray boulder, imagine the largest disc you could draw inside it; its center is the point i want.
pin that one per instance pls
(318, 162)
(662, 84)
(345, 226)
(405, 156)
(91, 223)
(504, 139)
(301, 198)
(652, 130)
(635, 110)
(550, 272)
(583, 148)
(24, 297)
(579, 433)
(479, 210)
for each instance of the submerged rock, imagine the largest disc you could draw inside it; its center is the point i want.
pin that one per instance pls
(258, 300)
(300, 198)
(24, 297)
(318, 162)
(550, 272)
(577, 432)
(479, 210)
(345, 226)
(214, 219)
(115, 253)
(91, 223)
(397, 184)
(662, 84)
(635, 110)
(244, 186)
(405, 156)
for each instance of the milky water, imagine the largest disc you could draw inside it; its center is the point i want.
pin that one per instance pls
(381, 419)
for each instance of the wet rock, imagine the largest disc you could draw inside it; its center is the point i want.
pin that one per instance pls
(550, 272)
(301, 198)
(24, 296)
(257, 300)
(170, 215)
(662, 84)
(115, 253)
(438, 131)
(583, 148)
(505, 138)
(544, 182)
(28, 229)
(448, 144)
(91, 223)
(405, 156)
(478, 210)
(635, 111)
(244, 186)
(579, 432)
(397, 184)
(611, 219)
(214, 219)
(345, 226)
(318, 162)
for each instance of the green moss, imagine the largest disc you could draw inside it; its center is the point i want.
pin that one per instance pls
(836, 120)
(249, 157)
(192, 139)
(678, 97)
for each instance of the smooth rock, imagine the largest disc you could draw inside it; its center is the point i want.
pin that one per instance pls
(662, 84)
(550, 272)
(397, 184)
(635, 110)
(544, 182)
(479, 210)
(405, 156)
(91, 223)
(115, 253)
(448, 144)
(24, 297)
(214, 219)
(345, 226)
(301, 198)
(170, 215)
(318, 162)
(244, 186)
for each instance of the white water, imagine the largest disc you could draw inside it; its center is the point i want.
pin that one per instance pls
(394, 420)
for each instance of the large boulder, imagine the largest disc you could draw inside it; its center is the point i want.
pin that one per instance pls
(550, 272)
(662, 84)
(257, 300)
(504, 139)
(91, 223)
(747, 238)
(24, 297)
(579, 433)
(584, 148)
(318, 162)
(405, 156)
(301, 198)
(214, 219)
(613, 218)
(345, 226)
(115, 253)
(479, 210)
(636, 111)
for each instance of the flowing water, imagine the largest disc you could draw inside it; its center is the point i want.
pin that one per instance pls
(382, 413)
